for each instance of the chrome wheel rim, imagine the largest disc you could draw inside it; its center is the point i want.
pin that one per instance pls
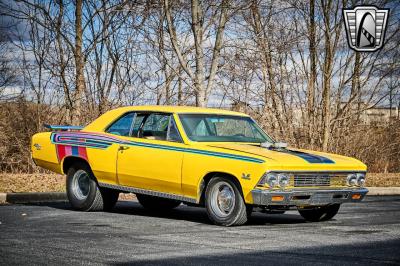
(81, 184)
(222, 199)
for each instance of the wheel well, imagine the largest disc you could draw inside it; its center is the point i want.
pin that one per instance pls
(209, 176)
(71, 160)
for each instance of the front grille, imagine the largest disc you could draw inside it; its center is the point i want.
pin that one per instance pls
(312, 181)
(318, 180)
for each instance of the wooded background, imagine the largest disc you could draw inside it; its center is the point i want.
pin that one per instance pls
(287, 63)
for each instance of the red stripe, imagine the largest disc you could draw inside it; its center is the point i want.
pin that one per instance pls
(82, 152)
(65, 150)
(68, 150)
(60, 152)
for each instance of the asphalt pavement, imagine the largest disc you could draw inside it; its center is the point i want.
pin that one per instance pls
(52, 233)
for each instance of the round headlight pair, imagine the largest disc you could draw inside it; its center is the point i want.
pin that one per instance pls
(274, 180)
(283, 180)
(356, 180)
(361, 179)
(352, 180)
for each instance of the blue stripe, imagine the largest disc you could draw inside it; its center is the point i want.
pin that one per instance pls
(94, 143)
(75, 150)
(83, 144)
(311, 158)
(100, 144)
(90, 141)
(202, 152)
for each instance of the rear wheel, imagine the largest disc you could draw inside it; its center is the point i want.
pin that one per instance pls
(83, 192)
(156, 203)
(224, 203)
(318, 214)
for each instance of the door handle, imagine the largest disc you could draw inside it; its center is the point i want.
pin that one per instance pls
(122, 148)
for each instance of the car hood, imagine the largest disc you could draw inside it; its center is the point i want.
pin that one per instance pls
(296, 159)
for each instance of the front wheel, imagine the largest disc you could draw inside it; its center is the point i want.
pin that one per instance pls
(318, 214)
(83, 192)
(224, 203)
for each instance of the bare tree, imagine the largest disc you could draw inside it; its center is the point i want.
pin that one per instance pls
(8, 75)
(313, 73)
(285, 62)
(198, 28)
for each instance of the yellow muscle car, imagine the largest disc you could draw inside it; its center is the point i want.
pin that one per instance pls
(219, 159)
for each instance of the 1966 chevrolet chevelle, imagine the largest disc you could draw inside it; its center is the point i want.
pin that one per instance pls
(214, 158)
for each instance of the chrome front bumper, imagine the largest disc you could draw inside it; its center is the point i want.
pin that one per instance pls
(263, 197)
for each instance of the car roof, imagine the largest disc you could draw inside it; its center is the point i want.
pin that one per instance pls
(179, 109)
(104, 120)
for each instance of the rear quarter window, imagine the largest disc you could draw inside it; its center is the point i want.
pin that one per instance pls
(122, 127)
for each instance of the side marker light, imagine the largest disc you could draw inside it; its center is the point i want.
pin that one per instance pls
(356, 196)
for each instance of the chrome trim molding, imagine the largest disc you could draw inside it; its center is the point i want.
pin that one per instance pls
(263, 197)
(148, 192)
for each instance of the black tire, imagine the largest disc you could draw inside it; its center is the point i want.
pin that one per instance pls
(84, 193)
(319, 214)
(224, 203)
(110, 198)
(157, 203)
(249, 210)
(275, 212)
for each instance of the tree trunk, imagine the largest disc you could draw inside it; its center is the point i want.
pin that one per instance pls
(267, 65)
(313, 75)
(217, 47)
(79, 75)
(67, 93)
(327, 73)
(180, 96)
(355, 85)
(197, 29)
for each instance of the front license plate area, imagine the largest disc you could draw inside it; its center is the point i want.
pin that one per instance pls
(322, 198)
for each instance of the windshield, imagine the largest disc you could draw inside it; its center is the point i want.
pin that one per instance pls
(222, 128)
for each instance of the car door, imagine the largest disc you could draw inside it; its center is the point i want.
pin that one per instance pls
(153, 159)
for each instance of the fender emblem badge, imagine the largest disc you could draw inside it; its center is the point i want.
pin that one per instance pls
(246, 176)
(37, 146)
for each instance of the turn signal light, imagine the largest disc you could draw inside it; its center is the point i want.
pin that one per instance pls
(356, 196)
(277, 198)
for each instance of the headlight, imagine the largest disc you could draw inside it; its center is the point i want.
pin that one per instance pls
(361, 179)
(275, 180)
(283, 180)
(271, 179)
(352, 180)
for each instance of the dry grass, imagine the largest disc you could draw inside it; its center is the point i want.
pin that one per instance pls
(31, 182)
(56, 183)
(383, 180)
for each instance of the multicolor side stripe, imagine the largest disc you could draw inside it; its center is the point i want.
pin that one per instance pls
(84, 139)
(67, 150)
(101, 141)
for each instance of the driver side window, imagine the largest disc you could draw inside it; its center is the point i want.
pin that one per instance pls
(160, 127)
